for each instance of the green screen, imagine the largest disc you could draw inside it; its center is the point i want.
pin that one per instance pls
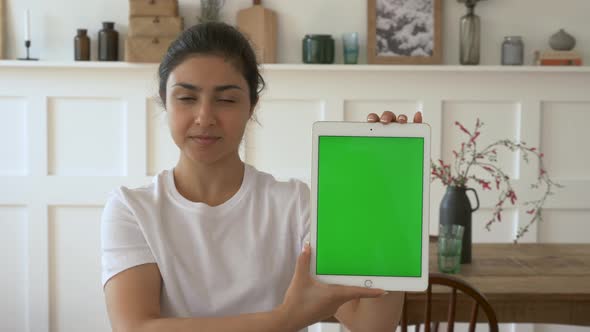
(369, 206)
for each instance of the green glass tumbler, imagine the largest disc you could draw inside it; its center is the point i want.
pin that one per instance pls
(450, 239)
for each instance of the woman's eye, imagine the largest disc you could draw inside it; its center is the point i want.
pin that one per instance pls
(223, 100)
(186, 99)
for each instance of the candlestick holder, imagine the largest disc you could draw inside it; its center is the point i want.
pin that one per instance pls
(28, 46)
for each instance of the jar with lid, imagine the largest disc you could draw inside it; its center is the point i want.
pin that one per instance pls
(108, 42)
(512, 51)
(81, 46)
(318, 49)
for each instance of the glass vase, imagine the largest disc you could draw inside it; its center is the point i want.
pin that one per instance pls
(470, 37)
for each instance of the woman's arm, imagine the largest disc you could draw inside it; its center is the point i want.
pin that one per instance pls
(133, 303)
(372, 315)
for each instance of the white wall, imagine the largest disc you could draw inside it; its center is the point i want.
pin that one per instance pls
(54, 23)
(70, 133)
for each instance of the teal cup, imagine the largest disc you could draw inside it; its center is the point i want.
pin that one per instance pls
(350, 47)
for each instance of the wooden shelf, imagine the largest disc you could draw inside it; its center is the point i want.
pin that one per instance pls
(307, 67)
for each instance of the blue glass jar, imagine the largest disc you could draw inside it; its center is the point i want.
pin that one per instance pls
(512, 51)
(318, 49)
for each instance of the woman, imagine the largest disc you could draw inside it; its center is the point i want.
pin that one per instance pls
(214, 244)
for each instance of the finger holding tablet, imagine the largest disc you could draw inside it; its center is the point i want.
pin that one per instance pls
(388, 117)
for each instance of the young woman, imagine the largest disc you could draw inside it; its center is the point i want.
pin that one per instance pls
(214, 244)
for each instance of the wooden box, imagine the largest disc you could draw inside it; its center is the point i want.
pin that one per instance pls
(153, 7)
(146, 49)
(155, 26)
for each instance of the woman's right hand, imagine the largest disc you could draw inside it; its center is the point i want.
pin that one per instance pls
(308, 301)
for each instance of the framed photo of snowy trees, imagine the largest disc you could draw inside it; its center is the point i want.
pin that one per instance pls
(404, 32)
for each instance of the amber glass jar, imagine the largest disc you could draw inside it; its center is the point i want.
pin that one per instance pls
(108, 42)
(81, 46)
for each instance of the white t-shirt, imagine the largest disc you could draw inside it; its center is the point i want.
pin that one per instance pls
(230, 259)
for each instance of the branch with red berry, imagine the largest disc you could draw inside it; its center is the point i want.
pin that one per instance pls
(469, 158)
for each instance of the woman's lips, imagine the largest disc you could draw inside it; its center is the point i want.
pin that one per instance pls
(205, 139)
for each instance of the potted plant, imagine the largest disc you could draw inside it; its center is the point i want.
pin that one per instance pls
(455, 206)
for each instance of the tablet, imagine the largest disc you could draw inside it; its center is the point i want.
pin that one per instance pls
(369, 204)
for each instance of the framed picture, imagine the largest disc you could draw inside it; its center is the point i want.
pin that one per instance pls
(404, 32)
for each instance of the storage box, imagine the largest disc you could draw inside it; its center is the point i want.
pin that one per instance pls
(146, 49)
(155, 26)
(153, 7)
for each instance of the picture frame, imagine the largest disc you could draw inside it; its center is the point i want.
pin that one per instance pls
(404, 31)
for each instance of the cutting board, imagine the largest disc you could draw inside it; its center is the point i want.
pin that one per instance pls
(2, 23)
(259, 24)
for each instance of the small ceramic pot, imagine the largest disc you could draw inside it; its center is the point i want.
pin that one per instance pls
(562, 41)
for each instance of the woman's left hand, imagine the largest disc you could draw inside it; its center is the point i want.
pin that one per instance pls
(388, 117)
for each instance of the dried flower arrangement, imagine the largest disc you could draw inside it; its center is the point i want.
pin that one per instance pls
(469, 158)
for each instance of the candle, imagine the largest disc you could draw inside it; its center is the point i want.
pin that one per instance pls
(27, 26)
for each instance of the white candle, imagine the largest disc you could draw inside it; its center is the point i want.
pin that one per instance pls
(27, 25)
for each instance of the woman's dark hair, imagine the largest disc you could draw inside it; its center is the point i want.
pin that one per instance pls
(213, 38)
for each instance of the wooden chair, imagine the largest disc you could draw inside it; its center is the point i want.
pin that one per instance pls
(455, 284)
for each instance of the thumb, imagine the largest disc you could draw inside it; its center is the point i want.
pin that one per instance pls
(302, 266)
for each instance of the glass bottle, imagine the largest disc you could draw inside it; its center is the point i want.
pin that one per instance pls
(108, 42)
(512, 51)
(470, 36)
(82, 46)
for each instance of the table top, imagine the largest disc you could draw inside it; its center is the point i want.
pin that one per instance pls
(524, 283)
(529, 270)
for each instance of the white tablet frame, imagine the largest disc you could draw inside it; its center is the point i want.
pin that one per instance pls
(366, 129)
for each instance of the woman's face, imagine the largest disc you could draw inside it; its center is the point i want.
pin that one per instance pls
(208, 104)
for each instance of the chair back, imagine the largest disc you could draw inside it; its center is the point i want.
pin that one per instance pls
(479, 300)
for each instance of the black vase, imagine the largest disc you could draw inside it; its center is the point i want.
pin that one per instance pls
(455, 209)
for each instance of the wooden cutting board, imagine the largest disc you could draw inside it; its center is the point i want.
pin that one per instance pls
(2, 23)
(259, 24)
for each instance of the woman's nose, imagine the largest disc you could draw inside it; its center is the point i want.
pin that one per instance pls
(205, 115)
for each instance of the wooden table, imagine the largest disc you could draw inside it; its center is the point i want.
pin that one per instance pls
(525, 283)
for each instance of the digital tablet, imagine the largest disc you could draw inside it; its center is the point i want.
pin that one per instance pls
(370, 204)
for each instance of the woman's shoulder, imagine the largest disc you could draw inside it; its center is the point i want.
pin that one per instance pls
(140, 194)
(272, 184)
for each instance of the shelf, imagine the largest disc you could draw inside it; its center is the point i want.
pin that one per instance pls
(428, 68)
(76, 64)
(307, 67)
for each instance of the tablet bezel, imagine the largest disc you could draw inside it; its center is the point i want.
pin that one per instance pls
(366, 129)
